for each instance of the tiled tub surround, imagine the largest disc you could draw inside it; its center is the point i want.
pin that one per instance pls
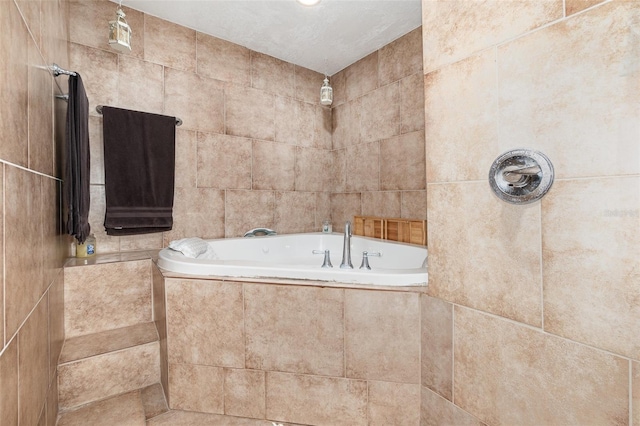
(304, 354)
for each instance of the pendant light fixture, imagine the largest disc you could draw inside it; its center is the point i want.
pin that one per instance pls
(326, 92)
(120, 32)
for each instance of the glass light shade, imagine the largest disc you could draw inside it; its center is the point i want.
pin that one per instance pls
(120, 33)
(326, 93)
(308, 2)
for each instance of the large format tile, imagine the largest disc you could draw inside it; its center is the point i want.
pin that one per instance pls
(245, 210)
(266, 155)
(437, 411)
(361, 77)
(295, 121)
(9, 384)
(382, 335)
(414, 205)
(250, 113)
(437, 345)
(402, 164)
(456, 29)
(307, 84)
(56, 323)
(99, 71)
(294, 398)
(223, 60)
(575, 6)
(412, 103)
(591, 255)
(363, 167)
(507, 373)
(186, 174)
(106, 296)
(196, 388)
(244, 393)
(40, 114)
(474, 242)
(400, 58)
(565, 72)
(122, 410)
(381, 203)
(277, 324)
(271, 74)
(346, 124)
(99, 377)
(140, 85)
(295, 212)
(313, 169)
(635, 389)
(380, 123)
(205, 322)
(343, 208)
(189, 418)
(224, 161)
(393, 403)
(198, 212)
(169, 44)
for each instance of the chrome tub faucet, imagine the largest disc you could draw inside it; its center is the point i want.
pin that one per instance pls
(346, 247)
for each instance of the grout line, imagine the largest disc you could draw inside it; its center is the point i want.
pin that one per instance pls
(453, 351)
(630, 393)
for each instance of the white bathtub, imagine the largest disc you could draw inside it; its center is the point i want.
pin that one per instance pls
(291, 257)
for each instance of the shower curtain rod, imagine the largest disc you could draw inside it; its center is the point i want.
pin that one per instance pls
(57, 71)
(99, 111)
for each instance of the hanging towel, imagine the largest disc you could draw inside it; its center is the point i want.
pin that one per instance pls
(76, 170)
(139, 168)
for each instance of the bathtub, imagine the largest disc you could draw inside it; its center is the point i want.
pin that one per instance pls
(291, 257)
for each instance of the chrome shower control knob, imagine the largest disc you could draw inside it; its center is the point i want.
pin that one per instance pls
(521, 176)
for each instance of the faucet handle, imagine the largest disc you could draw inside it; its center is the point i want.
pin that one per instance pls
(365, 259)
(327, 258)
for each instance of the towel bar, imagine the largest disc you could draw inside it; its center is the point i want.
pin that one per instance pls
(99, 111)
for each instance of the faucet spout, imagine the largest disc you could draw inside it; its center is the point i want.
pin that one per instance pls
(346, 247)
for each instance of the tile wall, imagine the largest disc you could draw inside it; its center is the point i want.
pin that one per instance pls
(33, 251)
(532, 315)
(255, 146)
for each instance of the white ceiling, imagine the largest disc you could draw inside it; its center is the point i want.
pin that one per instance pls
(325, 38)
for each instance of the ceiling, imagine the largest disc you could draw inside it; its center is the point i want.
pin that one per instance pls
(325, 38)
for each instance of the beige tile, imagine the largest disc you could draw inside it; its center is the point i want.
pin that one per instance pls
(271, 74)
(414, 205)
(99, 377)
(323, 209)
(635, 393)
(246, 210)
(343, 208)
(56, 323)
(123, 410)
(9, 384)
(153, 401)
(437, 345)
(90, 24)
(393, 403)
(197, 100)
(250, 113)
(223, 60)
(474, 241)
(189, 418)
(264, 174)
(40, 114)
(402, 162)
(277, 324)
(575, 6)
(80, 347)
(198, 212)
(295, 212)
(324, 128)
(104, 243)
(140, 85)
(31, 12)
(244, 393)
(54, 240)
(119, 296)
(14, 108)
(313, 169)
(52, 403)
(160, 320)
(294, 121)
(465, 92)
(381, 203)
(506, 373)
(295, 398)
(224, 161)
(141, 242)
(437, 411)
(99, 71)
(591, 252)
(380, 123)
(412, 103)
(361, 77)
(196, 388)
(22, 229)
(338, 82)
(382, 336)
(198, 334)
(96, 151)
(169, 44)
(346, 124)
(186, 156)
(339, 178)
(455, 30)
(33, 364)
(363, 167)
(54, 32)
(307, 84)
(401, 57)
(544, 110)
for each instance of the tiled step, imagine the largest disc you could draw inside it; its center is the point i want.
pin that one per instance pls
(129, 409)
(97, 366)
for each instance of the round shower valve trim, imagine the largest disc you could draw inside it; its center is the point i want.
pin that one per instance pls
(521, 176)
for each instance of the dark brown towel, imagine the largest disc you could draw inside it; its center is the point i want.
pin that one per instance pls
(139, 168)
(76, 170)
